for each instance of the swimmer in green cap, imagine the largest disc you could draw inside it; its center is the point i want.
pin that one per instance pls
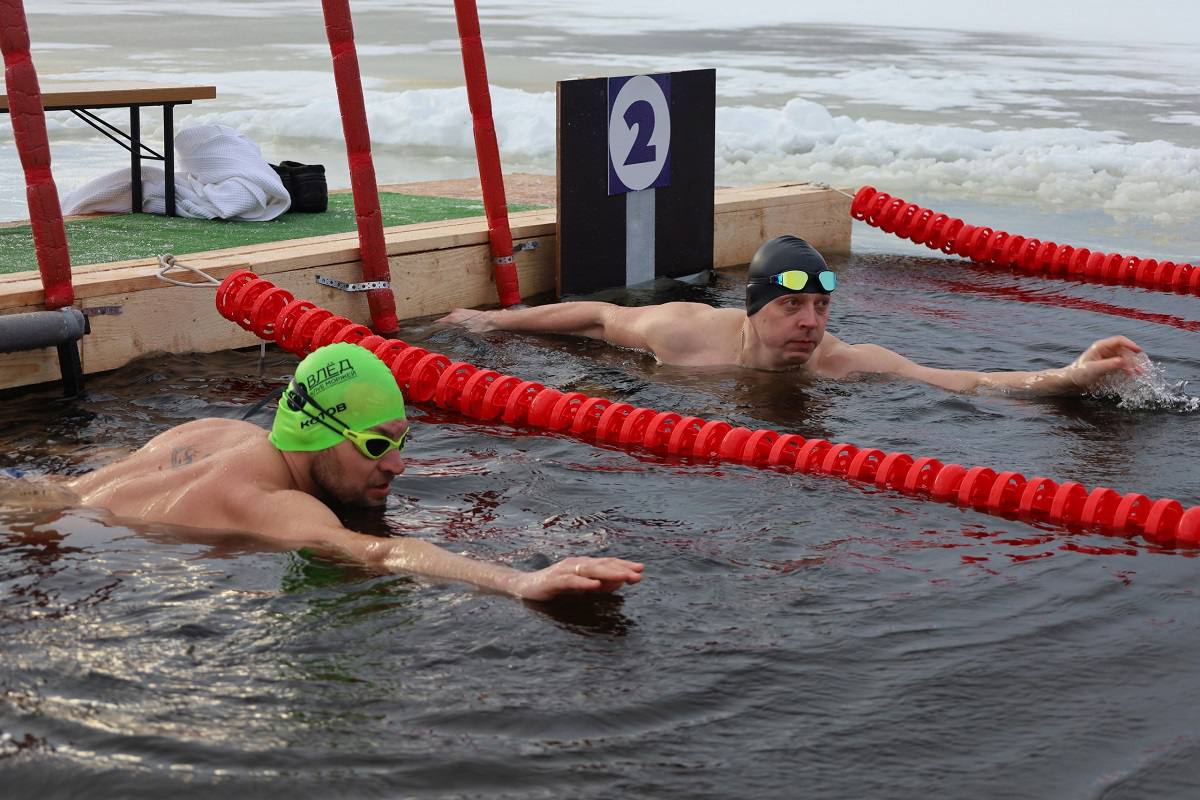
(789, 291)
(337, 440)
(343, 402)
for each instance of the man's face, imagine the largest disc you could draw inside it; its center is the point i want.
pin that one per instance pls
(350, 478)
(792, 326)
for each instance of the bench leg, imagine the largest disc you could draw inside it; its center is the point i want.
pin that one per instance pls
(135, 156)
(169, 157)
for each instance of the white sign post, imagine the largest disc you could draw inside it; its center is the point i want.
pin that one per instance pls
(639, 158)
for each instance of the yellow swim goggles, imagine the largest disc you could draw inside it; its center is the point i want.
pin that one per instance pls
(371, 444)
(796, 280)
(375, 445)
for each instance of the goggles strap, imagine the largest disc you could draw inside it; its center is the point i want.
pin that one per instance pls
(305, 399)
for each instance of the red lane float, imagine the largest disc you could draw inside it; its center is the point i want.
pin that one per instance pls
(998, 248)
(301, 328)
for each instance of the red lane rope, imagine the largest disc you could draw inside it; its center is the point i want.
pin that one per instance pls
(983, 245)
(300, 327)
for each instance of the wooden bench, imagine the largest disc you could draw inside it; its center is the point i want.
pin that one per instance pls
(82, 100)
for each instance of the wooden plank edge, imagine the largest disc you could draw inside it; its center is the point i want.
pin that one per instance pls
(402, 240)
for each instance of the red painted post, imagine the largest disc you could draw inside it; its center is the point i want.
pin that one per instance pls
(33, 146)
(487, 152)
(373, 251)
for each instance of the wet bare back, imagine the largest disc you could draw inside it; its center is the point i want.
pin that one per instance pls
(184, 476)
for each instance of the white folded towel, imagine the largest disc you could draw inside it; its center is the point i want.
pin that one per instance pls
(223, 176)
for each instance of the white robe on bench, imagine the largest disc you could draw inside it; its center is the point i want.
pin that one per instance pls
(223, 176)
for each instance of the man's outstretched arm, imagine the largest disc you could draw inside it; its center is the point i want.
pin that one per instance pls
(581, 318)
(620, 325)
(294, 520)
(1115, 354)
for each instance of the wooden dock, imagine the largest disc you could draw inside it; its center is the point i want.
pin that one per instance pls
(435, 266)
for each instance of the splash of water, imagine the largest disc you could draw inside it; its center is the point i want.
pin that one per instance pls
(1148, 390)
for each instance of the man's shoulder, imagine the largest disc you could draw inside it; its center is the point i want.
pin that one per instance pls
(834, 358)
(678, 312)
(840, 359)
(228, 448)
(692, 333)
(685, 308)
(217, 426)
(207, 436)
(278, 512)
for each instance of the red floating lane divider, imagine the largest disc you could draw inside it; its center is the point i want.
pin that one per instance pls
(300, 327)
(1000, 248)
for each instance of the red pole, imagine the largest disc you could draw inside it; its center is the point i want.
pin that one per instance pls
(33, 146)
(491, 177)
(373, 251)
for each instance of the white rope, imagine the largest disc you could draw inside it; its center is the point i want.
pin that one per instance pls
(821, 185)
(167, 262)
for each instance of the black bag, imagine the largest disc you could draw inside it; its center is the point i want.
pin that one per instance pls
(305, 184)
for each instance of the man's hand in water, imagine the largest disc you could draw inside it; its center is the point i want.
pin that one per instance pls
(1105, 357)
(573, 575)
(469, 318)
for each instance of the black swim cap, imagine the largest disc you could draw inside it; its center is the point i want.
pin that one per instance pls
(778, 255)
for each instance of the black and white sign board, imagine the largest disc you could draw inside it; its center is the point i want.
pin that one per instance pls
(635, 179)
(639, 133)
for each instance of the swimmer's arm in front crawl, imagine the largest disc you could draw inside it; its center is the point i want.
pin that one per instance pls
(294, 520)
(656, 328)
(1103, 358)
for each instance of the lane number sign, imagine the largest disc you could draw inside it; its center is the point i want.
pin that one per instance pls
(639, 133)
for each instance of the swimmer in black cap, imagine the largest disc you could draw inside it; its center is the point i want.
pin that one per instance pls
(788, 293)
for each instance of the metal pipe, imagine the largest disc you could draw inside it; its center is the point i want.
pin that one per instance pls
(38, 329)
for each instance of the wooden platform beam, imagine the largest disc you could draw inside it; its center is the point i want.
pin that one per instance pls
(436, 266)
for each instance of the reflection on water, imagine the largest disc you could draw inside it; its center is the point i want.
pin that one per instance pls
(37, 495)
(790, 628)
(590, 616)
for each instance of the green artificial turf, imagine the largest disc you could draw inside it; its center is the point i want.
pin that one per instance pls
(121, 237)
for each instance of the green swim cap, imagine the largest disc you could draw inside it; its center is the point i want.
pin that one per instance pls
(350, 383)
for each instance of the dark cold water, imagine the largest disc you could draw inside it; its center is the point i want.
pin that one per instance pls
(795, 636)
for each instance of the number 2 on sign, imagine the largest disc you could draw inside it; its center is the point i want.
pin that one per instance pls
(641, 114)
(639, 133)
